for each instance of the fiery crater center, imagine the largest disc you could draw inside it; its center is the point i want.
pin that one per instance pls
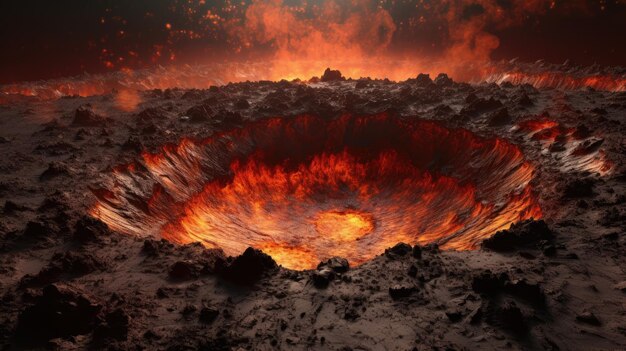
(305, 189)
(344, 226)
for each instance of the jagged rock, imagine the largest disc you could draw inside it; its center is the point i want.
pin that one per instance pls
(86, 117)
(116, 326)
(549, 250)
(476, 316)
(488, 283)
(422, 80)
(332, 76)
(511, 318)
(443, 80)
(242, 104)
(228, 119)
(208, 315)
(249, 267)
(337, 264)
(588, 318)
(90, 229)
(519, 235)
(499, 118)
(60, 312)
(38, 229)
(184, 270)
(200, 113)
(401, 291)
(151, 114)
(412, 272)
(526, 291)
(11, 207)
(524, 100)
(321, 278)
(579, 188)
(55, 169)
(417, 251)
(65, 265)
(454, 315)
(399, 250)
(479, 105)
(153, 247)
(133, 144)
(361, 84)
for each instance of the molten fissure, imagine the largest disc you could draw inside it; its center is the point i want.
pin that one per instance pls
(304, 189)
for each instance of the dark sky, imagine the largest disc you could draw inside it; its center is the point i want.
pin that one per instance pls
(41, 39)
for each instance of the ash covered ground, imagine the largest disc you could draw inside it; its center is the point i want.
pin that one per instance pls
(67, 281)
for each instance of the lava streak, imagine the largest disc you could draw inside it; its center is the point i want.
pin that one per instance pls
(304, 189)
(561, 80)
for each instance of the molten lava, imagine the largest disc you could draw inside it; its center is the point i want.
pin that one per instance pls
(305, 189)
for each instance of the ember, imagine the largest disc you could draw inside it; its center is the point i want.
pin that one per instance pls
(306, 189)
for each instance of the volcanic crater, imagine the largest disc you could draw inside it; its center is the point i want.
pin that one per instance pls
(305, 189)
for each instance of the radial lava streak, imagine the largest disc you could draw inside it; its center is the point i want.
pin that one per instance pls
(305, 189)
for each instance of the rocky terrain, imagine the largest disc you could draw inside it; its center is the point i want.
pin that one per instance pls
(67, 281)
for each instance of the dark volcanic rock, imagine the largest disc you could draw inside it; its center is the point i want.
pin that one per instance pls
(523, 234)
(588, 318)
(55, 169)
(478, 105)
(249, 267)
(443, 80)
(322, 277)
(184, 270)
(398, 250)
(332, 76)
(11, 207)
(208, 315)
(38, 229)
(417, 251)
(488, 283)
(153, 247)
(401, 291)
(526, 291)
(511, 318)
(337, 264)
(116, 325)
(61, 311)
(133, 144)
(150, 114)
(86, 117)
(500, 117)
(579, 188)
(89, 229)
(200, 113)
(422, 80)
(63, 266)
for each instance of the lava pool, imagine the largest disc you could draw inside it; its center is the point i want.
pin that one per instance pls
(306, 188)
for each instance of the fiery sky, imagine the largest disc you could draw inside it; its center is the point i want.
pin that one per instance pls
(59, 38)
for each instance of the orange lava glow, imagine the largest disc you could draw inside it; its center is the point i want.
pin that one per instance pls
(560, 80)
(571, 152)
(343, 226)
(305, 189)
(126, 85)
